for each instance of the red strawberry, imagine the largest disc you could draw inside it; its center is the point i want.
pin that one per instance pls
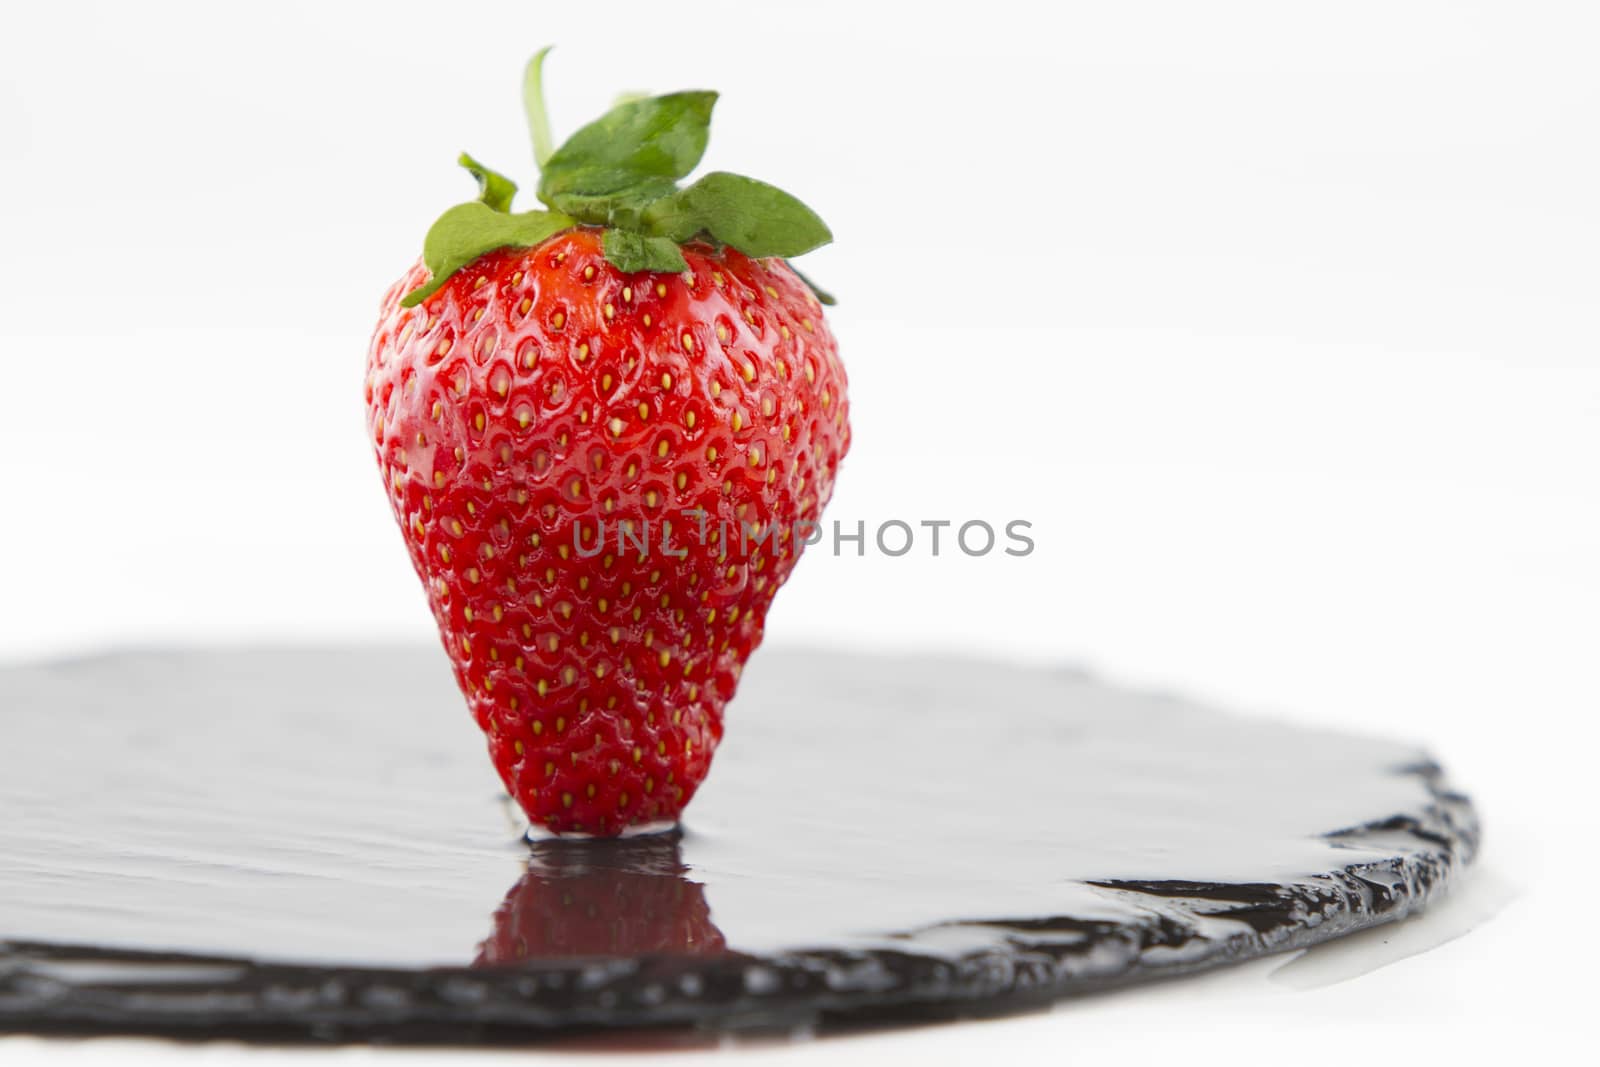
(526, 392)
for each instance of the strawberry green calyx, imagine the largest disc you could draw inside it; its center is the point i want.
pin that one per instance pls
(622, 173)
(494, 188)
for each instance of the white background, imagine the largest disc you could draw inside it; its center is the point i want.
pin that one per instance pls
(1277, 320)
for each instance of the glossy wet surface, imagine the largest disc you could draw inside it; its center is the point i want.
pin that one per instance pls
(311, 843)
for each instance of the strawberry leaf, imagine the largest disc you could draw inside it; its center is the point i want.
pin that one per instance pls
(467, 231)
(756, 218)
(657, 137)
(823, 296)
(630, 251)
(620, 208)
(494, 188)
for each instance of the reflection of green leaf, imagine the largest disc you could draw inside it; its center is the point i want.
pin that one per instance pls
(467, 231)
(657, 137)
(756, 218)
(629, 251)
(494, 188)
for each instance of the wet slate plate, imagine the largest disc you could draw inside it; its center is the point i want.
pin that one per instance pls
(310, 844)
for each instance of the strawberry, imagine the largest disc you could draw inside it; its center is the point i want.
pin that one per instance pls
(607, 430)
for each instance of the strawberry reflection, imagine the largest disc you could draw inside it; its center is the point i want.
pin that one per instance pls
(616, 897)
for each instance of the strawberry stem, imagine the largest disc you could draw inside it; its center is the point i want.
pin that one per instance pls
(533, 104)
